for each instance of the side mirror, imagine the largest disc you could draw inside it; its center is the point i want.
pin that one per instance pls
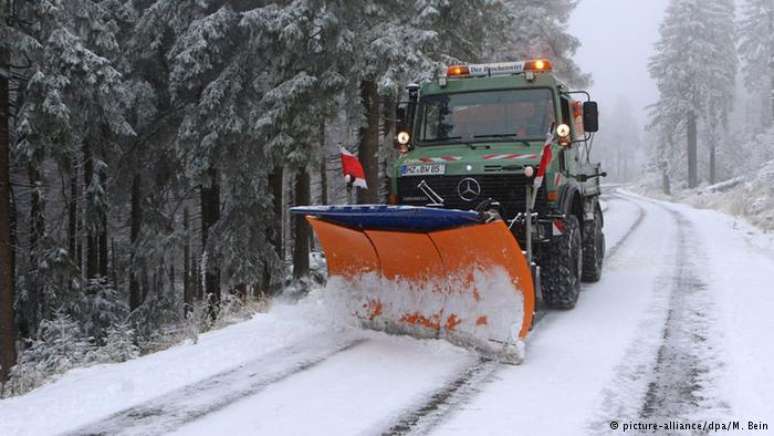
(590, 116)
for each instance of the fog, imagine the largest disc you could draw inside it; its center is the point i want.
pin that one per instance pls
(617, 39)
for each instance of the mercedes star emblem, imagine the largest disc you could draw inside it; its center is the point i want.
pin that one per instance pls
(468, 189)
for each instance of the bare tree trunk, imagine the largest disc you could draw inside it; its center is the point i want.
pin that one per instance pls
(274, 232)
(113, 272)
(303, 233)
(72, 216)
(323, 166)
(771, 101)
(713, 162)
(92, 257)
(171, 272)
(144, 282)
(693, 180)
(768, 103)
(187, 297)
(103, 236)
(14, 236)
(135, 295)
(7, 332)
(241, 292)
(368, 152)
(210, 202)
(387, 151)
(37, 229)
(196, 280)
(277, 190)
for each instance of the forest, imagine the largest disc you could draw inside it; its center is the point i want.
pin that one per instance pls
(154, 147)
(150, 149)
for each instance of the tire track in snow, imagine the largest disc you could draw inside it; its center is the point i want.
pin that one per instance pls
(541, 311)
(666, 373)
(431, 412)
(683, 368)
(641, 213)
(181, 406)
(442, 403)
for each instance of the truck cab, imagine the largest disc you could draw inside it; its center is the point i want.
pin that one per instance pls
(474, 139)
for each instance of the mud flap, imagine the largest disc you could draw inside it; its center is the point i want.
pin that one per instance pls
(470, 285)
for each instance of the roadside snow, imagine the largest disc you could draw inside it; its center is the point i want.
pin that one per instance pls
(572, 356)
(739, 266)
(750, 196)
(696, 272)
(349, 394)
(87, 394)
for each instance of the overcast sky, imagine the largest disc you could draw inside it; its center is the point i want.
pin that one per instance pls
(618, 38)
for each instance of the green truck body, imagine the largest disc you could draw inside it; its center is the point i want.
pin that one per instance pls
(471, 140)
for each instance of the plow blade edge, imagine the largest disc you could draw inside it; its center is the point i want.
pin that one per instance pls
(468, 284)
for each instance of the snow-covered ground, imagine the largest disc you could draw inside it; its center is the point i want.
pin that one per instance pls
(750, 196)
(675, 331)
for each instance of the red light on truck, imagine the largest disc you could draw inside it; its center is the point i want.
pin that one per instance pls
(458, 71)
(539, 66)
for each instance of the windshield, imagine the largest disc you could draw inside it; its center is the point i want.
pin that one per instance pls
(521, 114)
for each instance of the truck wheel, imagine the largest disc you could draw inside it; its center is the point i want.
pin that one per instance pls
(561, 266)
(593, 248)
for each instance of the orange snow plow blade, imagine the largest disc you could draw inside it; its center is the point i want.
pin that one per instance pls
(470, 284)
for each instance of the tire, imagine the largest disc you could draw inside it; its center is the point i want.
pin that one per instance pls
(561, 266)
(593, 248)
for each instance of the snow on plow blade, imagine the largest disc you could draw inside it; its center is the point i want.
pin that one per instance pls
(430, 273)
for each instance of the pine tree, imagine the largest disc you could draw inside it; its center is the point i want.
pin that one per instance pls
(70, 94)
(756, 33)
(694, 68)
(721, 76)
(539, 30)
(150, 30)
(7, 328)
(60, 345)
(157, 115)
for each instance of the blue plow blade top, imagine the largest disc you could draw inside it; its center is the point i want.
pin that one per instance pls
(382, 217)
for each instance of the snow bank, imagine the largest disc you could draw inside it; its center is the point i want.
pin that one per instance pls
(750, 196)
(84, 395)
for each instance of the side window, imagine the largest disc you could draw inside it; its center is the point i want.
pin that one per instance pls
(566, 119)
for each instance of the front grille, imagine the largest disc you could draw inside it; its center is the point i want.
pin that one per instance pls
(508, 189)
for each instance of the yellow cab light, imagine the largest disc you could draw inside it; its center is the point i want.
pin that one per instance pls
(458, 71)
(539, 66)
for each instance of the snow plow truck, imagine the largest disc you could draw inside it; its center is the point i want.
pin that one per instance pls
(493, 211)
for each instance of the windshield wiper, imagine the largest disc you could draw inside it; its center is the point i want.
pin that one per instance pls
(504, 135)
(496, 135)
(448, 138)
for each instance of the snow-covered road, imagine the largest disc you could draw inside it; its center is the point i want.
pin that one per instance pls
(676, 331)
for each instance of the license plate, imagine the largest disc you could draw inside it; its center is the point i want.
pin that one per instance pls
(422, 170)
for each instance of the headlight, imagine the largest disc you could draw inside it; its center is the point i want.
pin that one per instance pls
(403, 138)
(563, 131)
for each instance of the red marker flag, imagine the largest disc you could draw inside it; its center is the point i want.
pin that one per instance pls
(545, 160)
(352, 167)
